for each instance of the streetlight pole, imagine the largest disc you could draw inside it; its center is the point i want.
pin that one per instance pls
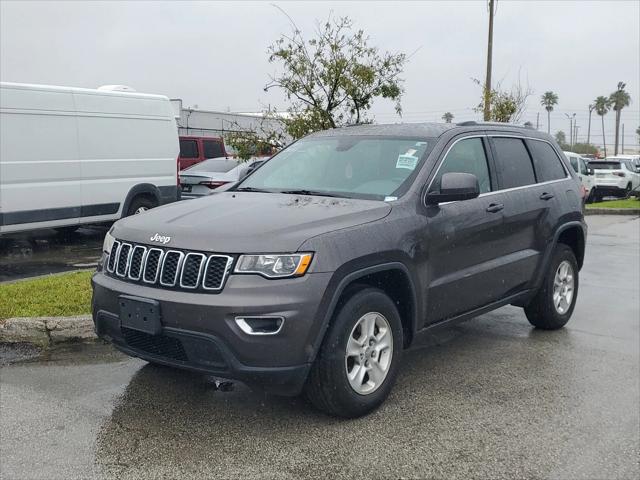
(487, 82)
(591, 108)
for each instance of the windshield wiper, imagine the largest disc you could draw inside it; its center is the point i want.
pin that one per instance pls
(251, 189)
(310, 192)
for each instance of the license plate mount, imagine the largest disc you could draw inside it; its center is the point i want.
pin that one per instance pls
(142, 314)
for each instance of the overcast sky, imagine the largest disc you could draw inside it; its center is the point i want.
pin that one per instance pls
(213, 54)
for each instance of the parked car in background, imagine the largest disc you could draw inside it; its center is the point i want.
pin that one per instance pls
(579, 164)
(614, 177)
(194, 150)
(205, 177)
(73, 156)
(319, 269)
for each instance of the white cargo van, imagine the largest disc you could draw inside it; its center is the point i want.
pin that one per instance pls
(71, 156)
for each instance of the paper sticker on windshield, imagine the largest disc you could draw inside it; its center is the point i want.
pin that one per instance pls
(407, 160)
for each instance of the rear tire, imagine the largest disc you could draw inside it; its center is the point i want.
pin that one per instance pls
(553, 305)
(351, 382)
(140, 205)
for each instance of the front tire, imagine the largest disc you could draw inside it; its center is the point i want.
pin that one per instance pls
(553, 305)
(358, 361)
(140, 205)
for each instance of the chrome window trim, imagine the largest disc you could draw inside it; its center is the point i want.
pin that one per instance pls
(126, 267)
(494, 192)
(184, 262)
(116, 246)
(178, 267)
(142, 262)
(160, 260)
(227, 268)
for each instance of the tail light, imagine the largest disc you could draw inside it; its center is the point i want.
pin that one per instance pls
(583, 192)
(213, 184)
(178, 171)
(619, 174)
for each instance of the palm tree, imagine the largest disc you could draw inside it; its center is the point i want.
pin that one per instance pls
(618, 100)
(591, 109)
(602, 107)
(447, 117)
(548, 100)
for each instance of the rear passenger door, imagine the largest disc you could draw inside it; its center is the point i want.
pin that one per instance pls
(529, 197)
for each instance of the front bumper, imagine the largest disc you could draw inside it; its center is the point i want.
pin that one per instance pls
(199, 331)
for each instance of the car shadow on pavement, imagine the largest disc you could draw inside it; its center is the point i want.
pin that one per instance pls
(482, 385)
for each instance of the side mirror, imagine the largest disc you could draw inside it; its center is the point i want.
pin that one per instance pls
(590, 171)
(455, 186)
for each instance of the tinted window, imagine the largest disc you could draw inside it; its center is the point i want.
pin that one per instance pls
(212, 149)
(214, 165)
(547, 163)
(188, 149)
(513, 163)
(466, 156)
(605, 165)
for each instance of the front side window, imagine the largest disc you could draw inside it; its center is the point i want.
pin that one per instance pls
(574, 163)
(345, 166)
(548, 164)
(466, 156)
(513, 163)
(583, 167)
(188, 149)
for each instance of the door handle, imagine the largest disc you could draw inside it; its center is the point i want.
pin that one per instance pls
(495, 207)
(546, 196)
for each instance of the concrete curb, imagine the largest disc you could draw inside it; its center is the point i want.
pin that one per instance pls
(46, 332)
(612, 211)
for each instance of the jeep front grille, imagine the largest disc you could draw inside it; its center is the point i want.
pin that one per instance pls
(168, 268)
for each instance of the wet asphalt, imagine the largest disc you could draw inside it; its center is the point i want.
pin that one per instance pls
(490, 398)
(47, 251)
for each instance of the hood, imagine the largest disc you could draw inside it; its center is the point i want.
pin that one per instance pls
(247, 222)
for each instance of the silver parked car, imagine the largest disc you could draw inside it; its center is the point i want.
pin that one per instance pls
(205, 177)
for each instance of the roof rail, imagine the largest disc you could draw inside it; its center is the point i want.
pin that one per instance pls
(472, 123)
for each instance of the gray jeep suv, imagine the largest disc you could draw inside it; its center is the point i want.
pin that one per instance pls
(316, 271)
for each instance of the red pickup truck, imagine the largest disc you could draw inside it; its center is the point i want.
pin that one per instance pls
(196, 149)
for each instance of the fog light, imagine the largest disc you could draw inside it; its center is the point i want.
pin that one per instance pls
(260, 325)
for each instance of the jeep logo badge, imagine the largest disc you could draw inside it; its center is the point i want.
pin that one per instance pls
(160, 239)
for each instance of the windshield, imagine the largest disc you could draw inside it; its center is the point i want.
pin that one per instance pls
(345, 166)
(220, 165)
(605, 165)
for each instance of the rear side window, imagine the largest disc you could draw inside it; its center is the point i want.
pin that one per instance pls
(188, 149)
(212, 149)
(513, 163)
(547, 163)
(466, 156)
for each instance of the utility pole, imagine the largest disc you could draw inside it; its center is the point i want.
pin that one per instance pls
(570, 128)
(487, 82)
(537, 120)
(575, 135)
(591, 108)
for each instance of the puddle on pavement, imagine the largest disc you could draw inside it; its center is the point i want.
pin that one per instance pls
(47, 251)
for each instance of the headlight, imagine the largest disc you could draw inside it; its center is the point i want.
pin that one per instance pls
(275, 266)
(108, 242)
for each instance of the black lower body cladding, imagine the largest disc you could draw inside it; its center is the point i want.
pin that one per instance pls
(199, 330)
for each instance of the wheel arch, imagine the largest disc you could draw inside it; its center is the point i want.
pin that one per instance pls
(141, 189)
(394, 278)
